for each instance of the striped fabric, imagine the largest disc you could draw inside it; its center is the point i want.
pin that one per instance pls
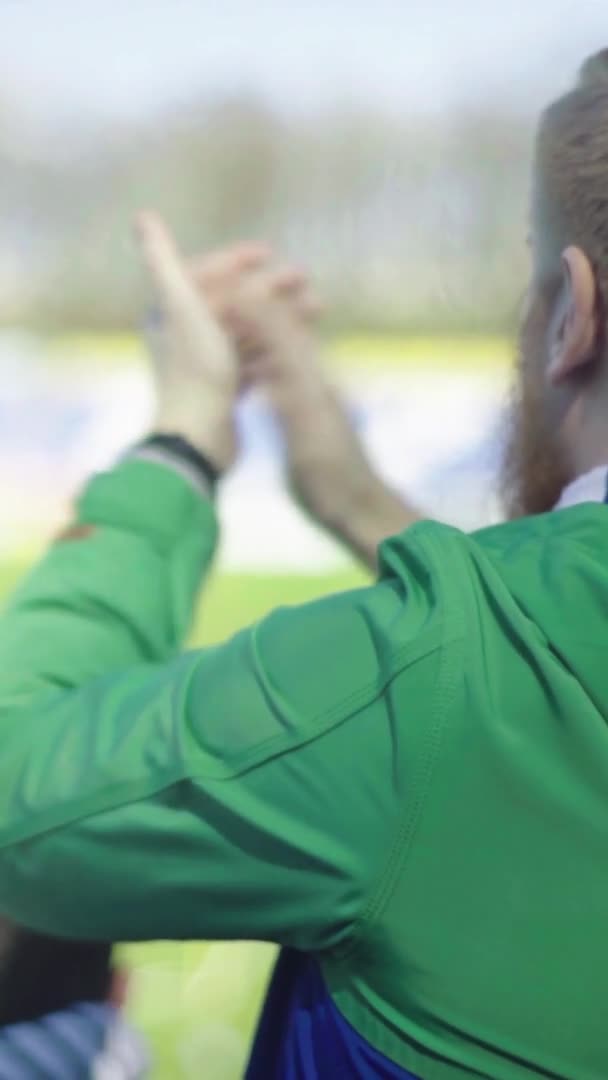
(86, 1042)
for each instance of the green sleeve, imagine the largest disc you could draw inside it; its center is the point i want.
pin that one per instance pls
(121, 591)
(251, 790)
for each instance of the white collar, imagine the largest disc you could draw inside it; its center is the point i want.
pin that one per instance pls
(591, 487)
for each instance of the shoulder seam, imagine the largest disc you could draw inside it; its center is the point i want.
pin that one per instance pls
(341, 711)
(444, 692)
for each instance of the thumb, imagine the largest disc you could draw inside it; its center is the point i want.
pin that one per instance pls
(164, 263)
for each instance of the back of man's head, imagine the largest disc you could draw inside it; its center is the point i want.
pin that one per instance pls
(40, 974)
(559, 429)
(571, 175)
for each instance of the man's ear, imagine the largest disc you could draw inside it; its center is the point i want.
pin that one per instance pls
(575, 324)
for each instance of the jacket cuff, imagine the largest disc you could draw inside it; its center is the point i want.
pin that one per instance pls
(149, 497)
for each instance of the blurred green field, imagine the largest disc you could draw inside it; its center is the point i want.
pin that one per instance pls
(198, 1003)
(348, 350)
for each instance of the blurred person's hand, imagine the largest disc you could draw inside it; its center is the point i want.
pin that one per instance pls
(194, 359)
(272, 315)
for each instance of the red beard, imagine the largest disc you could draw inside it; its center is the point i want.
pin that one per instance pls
(534, 471)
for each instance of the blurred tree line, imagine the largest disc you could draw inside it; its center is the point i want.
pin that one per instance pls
(411, 224)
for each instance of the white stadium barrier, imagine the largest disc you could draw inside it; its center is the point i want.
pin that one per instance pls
(433, 434)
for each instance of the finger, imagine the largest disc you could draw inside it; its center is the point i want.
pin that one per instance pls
(288, 281)
(247, 342)
(252, 374)
(163, 261)
(310, 307)
(237, 321)
(247, 380)
(213, 267)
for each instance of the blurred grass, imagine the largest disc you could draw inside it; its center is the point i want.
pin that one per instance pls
(198, 1003)
(464, 353)
(351, 350)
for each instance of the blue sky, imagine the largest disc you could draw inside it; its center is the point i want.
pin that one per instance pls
(125, 57)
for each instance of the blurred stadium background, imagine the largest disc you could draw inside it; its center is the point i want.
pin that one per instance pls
(384, 145)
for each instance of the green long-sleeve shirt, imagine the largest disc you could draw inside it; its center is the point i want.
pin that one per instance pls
(408, 781)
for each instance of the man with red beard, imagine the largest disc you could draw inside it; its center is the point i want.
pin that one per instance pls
(557, 431)
(405, 786)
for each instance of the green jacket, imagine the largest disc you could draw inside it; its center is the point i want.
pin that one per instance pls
(408, 781)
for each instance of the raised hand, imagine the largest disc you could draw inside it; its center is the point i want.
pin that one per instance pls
(194, 357)
(271, 313)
